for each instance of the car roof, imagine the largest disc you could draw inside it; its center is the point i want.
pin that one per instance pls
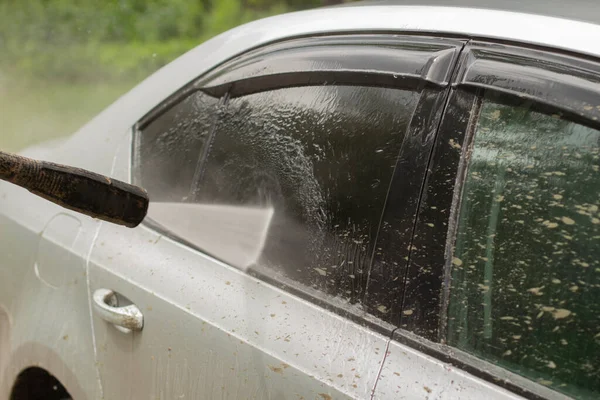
(577, 10)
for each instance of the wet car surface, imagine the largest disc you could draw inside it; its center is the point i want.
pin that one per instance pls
(370, 201)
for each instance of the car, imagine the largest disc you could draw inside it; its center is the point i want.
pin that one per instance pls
(373, 201)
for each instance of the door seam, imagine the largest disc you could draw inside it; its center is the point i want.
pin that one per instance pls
(89, 290)
(385, 354)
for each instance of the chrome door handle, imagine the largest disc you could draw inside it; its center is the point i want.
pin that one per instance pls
(128, 317)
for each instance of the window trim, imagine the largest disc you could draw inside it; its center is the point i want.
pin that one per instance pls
(429, 247)
(365, 59)
(525, 74)
(437, 53)
(451, 157)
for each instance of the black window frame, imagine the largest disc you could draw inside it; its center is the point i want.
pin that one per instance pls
(515, 73)
(429, 72)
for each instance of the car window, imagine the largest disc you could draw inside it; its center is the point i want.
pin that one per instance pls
(290, 183)
(321, 158)
(525, 292)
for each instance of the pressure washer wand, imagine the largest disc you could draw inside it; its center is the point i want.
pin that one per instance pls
(77, 189)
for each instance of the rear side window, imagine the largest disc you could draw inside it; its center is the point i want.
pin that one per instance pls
(321, 159)
(525, 290)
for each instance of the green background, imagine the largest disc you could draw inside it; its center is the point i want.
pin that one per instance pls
(63, 61)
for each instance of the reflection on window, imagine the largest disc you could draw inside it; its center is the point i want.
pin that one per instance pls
(525, 290)
(322, 159)
(169, 148)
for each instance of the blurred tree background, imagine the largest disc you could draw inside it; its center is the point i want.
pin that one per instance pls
(63, 61)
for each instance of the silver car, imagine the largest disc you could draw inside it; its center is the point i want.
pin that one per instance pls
(374, 201)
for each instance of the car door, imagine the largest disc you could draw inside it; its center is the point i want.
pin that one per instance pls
(503, 276)
(269, 183)
(45, 322)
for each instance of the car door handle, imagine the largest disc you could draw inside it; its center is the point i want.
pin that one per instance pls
(128, 317)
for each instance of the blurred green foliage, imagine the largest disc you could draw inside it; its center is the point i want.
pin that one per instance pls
(83, 40)
(63, 61)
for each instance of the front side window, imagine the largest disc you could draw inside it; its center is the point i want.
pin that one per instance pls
(289, 182)
(525, 291)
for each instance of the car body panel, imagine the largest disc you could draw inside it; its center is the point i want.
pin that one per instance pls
(213, 332)
(402, 378)
(44, 289)
(45, 301)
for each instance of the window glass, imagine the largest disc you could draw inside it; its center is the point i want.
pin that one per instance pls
(170, 146)
(292, 183)
(525, 290)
